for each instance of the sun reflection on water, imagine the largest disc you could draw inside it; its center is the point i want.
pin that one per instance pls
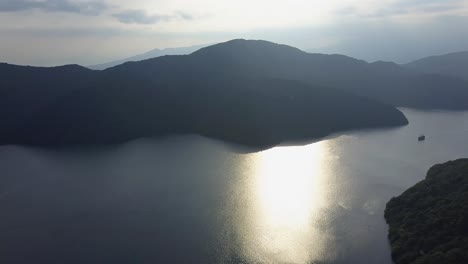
(287, 192)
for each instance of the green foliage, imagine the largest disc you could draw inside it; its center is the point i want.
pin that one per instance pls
(429, 221)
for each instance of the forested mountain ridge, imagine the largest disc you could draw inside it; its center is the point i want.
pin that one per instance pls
(245, 91)
(106, 109)
(383, 81)
(429, 221)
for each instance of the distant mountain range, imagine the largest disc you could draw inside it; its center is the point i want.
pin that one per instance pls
(453, 64)
(383, 81)
(148, 55)
(244, 91)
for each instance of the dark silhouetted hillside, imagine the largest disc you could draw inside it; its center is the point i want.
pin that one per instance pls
(429, 221)
(383, 81)
(239, 90)
(27, 90)
(109, 107)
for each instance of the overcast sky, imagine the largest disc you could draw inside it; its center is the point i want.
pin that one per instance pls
(54, 32)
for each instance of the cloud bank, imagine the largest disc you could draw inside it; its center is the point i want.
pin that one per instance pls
(407, 7)
(51, 32)
(142, 17)
(88, 7)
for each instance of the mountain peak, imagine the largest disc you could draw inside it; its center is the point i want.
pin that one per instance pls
(154, 53)
(248, 47)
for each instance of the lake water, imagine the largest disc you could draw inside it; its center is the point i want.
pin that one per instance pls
(190, 199)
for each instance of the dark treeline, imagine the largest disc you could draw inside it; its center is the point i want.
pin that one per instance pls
(429, 221)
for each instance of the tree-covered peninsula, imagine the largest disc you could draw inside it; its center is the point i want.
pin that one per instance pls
(429, 222)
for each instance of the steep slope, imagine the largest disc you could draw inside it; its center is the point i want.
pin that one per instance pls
(148, 55)
(453, 64)
(429, 221)
(386, 82)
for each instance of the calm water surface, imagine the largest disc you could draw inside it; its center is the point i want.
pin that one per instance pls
(194, 200)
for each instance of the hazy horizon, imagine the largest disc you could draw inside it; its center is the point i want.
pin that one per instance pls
(182, 48)
(86, 32)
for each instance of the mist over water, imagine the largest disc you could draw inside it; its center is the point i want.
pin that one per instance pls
(192, 199)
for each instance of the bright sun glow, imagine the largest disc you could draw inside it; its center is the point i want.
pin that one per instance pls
(288, 184)
(288, 189)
